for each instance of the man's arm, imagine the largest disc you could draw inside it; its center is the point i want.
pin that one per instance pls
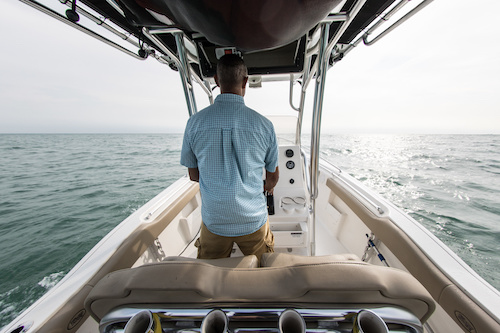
(194, 174)
(271, 180)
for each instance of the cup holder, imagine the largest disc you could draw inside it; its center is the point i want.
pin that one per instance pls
(293, 204)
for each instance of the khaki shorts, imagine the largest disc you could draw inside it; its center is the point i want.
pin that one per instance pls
(212, 246)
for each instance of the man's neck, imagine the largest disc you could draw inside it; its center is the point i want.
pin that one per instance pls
(232, 91)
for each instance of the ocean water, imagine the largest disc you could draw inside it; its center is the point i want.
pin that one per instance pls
(60, 194)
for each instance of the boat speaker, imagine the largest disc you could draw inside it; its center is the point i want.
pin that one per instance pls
(142, 53)
(72, 15)
(214, 322)
(367, 321)
(291, 321)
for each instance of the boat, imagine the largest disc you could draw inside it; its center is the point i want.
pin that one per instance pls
(346, 259)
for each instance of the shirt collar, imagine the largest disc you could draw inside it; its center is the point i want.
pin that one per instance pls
(230, 98)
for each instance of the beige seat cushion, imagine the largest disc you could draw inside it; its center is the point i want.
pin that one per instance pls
(286, 259)
(198, 284)
(231, 262)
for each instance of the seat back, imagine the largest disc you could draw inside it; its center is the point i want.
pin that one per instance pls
(249, 261)
(198, 284)
(285, 259)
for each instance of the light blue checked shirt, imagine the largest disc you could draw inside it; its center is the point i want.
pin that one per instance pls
(230, 144)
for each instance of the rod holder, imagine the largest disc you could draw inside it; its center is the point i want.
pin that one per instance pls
(143, 322)
(291, 321)
(367, 321)
(215, 322)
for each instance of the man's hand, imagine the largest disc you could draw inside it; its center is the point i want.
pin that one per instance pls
(271, 180)
(194, 174)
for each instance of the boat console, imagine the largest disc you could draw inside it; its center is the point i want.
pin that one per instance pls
(289, 222)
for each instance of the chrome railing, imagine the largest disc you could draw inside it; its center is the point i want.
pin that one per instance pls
(124, 36)
(396, 24)
(340, 320)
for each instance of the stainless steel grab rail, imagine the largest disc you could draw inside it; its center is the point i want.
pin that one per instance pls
(101, 21)
(182, 64)
(52, 13)
(396, 24)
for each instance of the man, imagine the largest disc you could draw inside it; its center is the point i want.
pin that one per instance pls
(225, 148)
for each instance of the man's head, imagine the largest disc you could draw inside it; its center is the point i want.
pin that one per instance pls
(232, 74)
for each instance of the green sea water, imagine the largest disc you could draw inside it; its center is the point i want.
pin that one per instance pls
(61, 193)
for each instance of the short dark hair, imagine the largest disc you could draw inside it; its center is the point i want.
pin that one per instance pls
(231, 70)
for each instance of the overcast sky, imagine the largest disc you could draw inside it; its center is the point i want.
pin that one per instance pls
(438, 73)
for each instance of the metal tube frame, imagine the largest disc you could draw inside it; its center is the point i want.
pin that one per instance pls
(306, 78)
(116, 7)
(396, 24)
(208, 88)
(352, 14)
(318, 108)
(325, 49)
(384, 19)
(292, 82)
(319, 69)
(46, 10)
(101, 21)
(185, 70)
(300, 118)
(316, 126)
(182, 63)
(300, 109)
(186, 78)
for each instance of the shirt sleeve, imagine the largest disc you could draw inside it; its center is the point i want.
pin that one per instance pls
(271, 158)
(188, 158)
